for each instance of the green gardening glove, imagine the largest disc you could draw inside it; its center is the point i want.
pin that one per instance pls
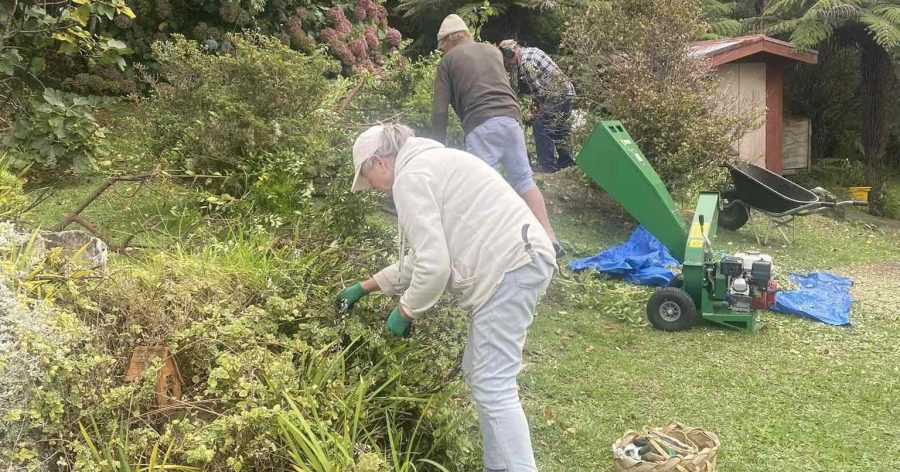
(397, 324)
(348, 297)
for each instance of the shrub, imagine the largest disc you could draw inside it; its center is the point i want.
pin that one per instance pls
(260, 117)
(58, 131)
(631, 61)
(405, 87)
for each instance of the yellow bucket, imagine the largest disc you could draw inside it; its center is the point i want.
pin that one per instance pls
(860, 193)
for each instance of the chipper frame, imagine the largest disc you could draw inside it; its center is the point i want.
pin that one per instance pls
(716, 288)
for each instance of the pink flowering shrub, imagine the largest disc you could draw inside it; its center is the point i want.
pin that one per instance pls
(360, 45)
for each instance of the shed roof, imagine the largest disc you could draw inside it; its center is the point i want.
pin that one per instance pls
(723, 51)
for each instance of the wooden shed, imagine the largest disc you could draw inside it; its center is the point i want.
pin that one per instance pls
(751, 69)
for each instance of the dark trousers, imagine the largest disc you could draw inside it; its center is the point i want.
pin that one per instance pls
(551, 133)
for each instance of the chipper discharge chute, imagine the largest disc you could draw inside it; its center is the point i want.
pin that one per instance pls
(721, 289)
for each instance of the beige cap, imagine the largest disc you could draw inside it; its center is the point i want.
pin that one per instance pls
(508, 44)
(364, 148)
(452, 24)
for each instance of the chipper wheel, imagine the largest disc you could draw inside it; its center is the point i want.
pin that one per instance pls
(735, 215)
(671, 309)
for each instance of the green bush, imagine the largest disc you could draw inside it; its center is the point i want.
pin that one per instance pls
(259, 121)
(58, 131)
(832, 173)
(630, 60)
(404, 90)
(257, 110)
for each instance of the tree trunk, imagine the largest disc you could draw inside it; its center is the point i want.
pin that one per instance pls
(875, 98)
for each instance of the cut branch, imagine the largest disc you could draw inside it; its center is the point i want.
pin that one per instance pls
(73, 215)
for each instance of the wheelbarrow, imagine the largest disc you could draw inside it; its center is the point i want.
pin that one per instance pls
(779, 199)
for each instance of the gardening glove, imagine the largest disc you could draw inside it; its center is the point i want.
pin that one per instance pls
(398, 325)
(348, 297)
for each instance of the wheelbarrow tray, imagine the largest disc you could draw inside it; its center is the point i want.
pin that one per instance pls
(769, 192)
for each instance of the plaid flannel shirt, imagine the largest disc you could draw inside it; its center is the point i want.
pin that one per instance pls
(542, 78)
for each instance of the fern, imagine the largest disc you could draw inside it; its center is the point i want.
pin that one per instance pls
(833, 12)
(890, 13)
(715, 9)
(726, 27)
(786, 8)
(809, 33)
(810, 22)
(885, 33)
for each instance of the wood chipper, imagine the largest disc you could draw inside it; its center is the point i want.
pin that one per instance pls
(721, 289)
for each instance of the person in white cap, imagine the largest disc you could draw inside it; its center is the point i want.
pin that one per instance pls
(497, 258)
(472, 79)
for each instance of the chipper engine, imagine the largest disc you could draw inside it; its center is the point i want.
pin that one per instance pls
(724, 289)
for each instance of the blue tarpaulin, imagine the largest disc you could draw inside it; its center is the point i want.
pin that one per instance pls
(641, 260)
(822, 296)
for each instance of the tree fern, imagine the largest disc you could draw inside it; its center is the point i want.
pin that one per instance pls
(717, 9)
(890, 13)
(809, 33)
(885, 33)
(725, 27)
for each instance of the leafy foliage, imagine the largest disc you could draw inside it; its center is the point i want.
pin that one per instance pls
(809, 22)
(404, 87)
(254, 121)
(36, 32)
(58, 131)
(253, 330)
(356, 31)
(631, 61)
(12, 198)
(533, 22)
(828, 94)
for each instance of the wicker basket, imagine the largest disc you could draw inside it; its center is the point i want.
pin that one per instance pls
(698, 450)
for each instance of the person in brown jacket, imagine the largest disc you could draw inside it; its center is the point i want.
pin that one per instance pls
(472, 79)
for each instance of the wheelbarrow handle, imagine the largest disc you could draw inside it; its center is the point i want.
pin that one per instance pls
(851, 203)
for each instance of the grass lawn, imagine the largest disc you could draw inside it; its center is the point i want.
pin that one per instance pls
(795, 396)
(152, 212)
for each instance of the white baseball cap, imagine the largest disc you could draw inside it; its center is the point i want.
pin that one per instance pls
(364, 148)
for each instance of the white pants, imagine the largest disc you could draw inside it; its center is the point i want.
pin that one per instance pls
(493, 359)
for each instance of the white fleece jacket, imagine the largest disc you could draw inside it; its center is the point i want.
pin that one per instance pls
(464, 225)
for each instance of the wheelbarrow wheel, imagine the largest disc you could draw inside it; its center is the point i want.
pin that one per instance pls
(671, 309)
(735, 215)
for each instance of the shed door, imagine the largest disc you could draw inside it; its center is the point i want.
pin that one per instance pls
(744, 85)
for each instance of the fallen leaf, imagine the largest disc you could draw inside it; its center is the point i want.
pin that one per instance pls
(549, 415)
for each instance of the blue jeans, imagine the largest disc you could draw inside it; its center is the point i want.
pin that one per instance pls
(501, 141)
(551, 130)
(492, 361)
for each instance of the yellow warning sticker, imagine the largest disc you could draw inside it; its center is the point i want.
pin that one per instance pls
(696, 233)
(695, 243)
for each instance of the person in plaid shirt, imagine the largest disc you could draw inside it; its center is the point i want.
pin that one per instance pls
(552, 93)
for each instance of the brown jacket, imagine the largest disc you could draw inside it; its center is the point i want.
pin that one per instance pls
(472, 79)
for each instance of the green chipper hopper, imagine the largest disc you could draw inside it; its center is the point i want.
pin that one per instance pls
(721, 289)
